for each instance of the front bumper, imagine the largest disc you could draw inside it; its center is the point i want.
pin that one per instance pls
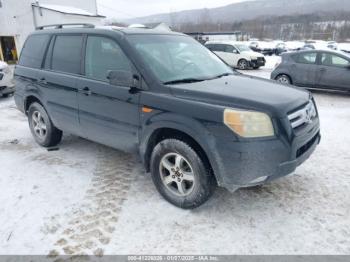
(4, 90)
(7, 85)
(245, 164)
(258, 62)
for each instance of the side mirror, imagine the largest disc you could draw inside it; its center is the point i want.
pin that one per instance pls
(123, 78)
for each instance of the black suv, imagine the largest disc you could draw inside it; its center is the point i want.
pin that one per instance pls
(194, 121)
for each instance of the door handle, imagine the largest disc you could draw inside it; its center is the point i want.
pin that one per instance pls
(86, 91)
(42, 81)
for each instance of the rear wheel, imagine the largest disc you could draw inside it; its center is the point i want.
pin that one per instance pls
(284, 79)
(180, 175)
(41, 126)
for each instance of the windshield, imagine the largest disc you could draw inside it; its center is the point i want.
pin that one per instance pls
(243, 48)
(173, 58)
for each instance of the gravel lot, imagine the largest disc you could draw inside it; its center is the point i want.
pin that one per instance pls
(88, 199)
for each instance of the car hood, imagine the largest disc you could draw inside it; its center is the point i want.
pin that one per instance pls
(3, 65)
(245, 92)
(252, 53)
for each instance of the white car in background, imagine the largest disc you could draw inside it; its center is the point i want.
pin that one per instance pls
(237, 54)
(7, 85)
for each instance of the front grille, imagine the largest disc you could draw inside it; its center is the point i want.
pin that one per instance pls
(303, 116)
(261, 59)
(302, 150)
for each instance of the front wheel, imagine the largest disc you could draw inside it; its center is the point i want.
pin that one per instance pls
(180, 174)
(41, 126)
(284, 79)
(243, 64)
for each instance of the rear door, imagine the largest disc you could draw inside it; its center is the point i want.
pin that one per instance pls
(334, 71)
(304, 69)
(108, 114)
(62, 68)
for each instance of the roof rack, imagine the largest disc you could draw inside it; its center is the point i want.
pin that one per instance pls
(60, 26)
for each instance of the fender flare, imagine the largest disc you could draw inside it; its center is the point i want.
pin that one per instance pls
(191, 127)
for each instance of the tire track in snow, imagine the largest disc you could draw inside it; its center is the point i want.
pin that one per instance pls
(91, 226)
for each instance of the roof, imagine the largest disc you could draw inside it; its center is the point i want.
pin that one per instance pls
(92, 28)
(66, 10)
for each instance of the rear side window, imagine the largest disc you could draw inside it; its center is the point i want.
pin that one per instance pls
(34, 50)
(216, 47)
(66, 55)
(307, 58)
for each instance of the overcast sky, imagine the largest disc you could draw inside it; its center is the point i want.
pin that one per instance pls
(123, 9)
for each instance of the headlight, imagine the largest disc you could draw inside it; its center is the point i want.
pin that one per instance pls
(253, 58)
(248, 124)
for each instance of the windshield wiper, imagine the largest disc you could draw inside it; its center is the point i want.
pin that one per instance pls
(222, 75)
(184, 81)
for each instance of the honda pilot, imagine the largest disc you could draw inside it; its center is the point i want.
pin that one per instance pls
(194, 121)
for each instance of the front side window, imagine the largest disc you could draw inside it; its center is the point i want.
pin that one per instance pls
(66, 56)
(229, 48)
(307, 58)
(173, 57)
(243, 48)
(334, 60)
(102, 56)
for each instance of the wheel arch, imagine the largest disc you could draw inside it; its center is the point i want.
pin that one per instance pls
(286, 74)
(30, 99)
(197, 139)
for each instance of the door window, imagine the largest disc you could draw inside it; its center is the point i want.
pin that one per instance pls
(66, 56)
(334, 60)
(307, 58)
(103, 55)
(33, 51)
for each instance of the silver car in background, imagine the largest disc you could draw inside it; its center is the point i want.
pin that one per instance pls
(315, 69)
(7, 85)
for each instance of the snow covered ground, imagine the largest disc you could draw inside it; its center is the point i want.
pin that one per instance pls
(89, 199)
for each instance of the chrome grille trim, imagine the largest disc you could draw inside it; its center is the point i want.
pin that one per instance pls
(303, 116)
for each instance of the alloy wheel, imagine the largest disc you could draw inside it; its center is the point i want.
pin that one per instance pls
(177, 174)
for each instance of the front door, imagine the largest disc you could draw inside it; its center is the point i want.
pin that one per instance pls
(108, 114)
(229, 54)
(334, 71)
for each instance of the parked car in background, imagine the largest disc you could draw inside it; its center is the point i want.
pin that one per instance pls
(263, 47)
(7, 86)
(195, 123)
(317, 45)
(332, 45)
(289, 46)
(236, 54)
(316, 68)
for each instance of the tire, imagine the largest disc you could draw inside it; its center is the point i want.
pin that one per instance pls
(41, 126)
(284, 79)
(189, 172)
(242, 64)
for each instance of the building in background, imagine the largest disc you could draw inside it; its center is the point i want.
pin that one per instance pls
(18, 18)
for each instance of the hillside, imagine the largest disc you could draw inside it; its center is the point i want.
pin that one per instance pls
(247, 11)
